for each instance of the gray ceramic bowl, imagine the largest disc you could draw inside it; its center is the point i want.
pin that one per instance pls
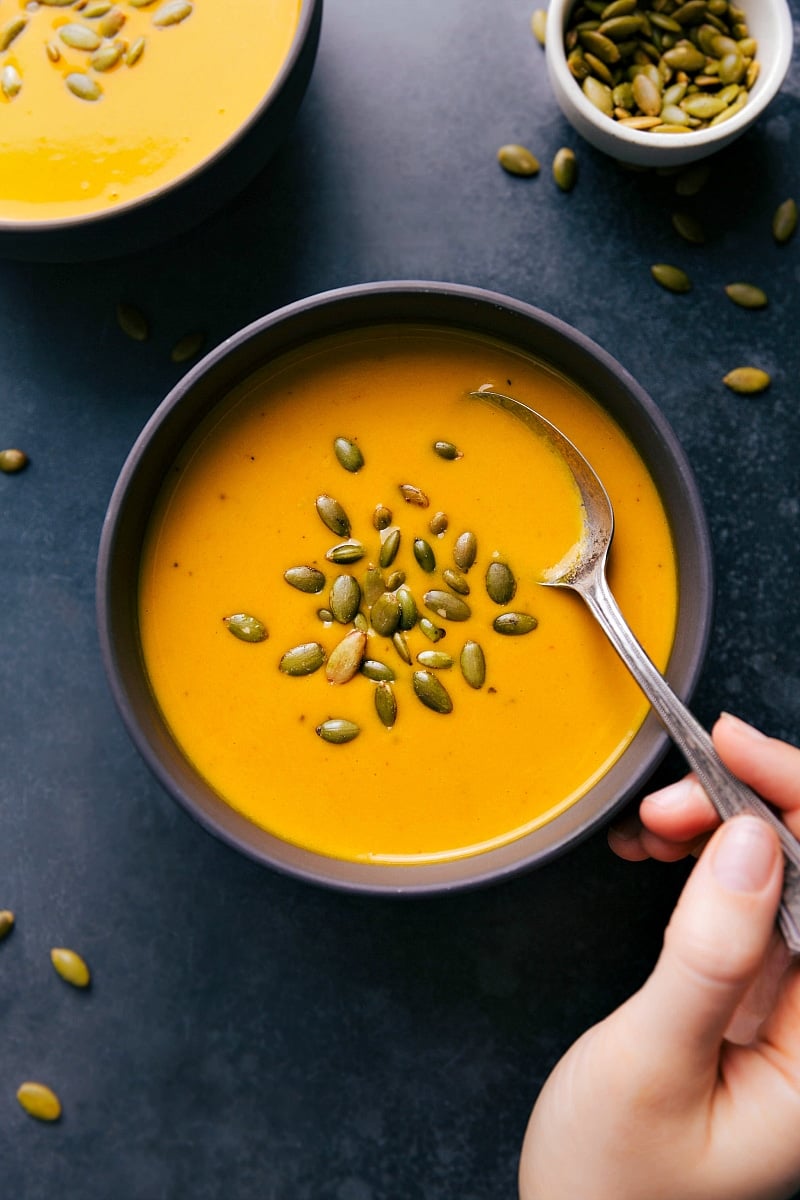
(150, 460)
(191, 197)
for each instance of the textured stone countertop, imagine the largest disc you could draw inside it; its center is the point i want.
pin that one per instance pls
(247, 1035)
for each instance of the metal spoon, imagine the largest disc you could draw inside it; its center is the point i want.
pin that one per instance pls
(583, 570)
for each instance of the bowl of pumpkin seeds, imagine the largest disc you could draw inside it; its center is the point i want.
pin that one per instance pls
(337, 560)
(659, 83)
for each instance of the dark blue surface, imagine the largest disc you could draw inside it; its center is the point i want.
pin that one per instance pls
(245, 1034)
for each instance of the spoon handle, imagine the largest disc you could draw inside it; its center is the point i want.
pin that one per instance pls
(727, 793)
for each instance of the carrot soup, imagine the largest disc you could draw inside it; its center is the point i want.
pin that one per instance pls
(339, 608)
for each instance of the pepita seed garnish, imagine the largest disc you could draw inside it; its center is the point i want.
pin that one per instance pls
(12, 461)
(565, 169)
(389, 547)
(465, 550)
(423, 553)
(246, 627)
(431, 631)
(133, 322)
(338, 730)
(10, 81)
(395, 580)
(79, 37)
(83, 86)
(306, 579)
(6, 922)
(672, 278)
(333, 515)
(386, 703)
(539, 24)
(70, 966)
(660, 67)
(348, 454)
(187, 346)
(377, 671)
(435, 660)
(439, 523)
(385, 614)
(784, 221)
(689, 228)
(134, 51)
(432, 692)
(172, 13)
(107, 56)
(518, 160)
(400, 643)
(382, 517)
(746, 295)
(345, 659)
(414, 495)
(345, 598)
(11, 31)
(514, 623)
(447, 605)
(447, 450)
(302, 660)
(38, 1099)
(111, 23)
(747, 380)
(456, 581)
(501, 586)
(408, 607)
(473, 665)
(346, 552)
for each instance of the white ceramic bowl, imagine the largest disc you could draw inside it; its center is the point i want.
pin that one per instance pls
(770, 22)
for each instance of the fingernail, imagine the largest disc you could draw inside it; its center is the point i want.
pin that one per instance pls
(744, 855)
(675, 795)
(742, 726)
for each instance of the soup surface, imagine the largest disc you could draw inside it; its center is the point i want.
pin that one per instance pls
(556, 708)
(102, 103)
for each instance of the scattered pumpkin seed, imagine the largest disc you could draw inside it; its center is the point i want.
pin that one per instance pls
(385, 614)
(784, 221)
(565, 168)
(325, 615)
(382, 517)
(302, 660)
(473, 665)
(693, 179)
(141, 3)
(408, 607)
(83, 86)
(689, 228)
(455, 580)
(187, 347)
(465, 550)
(386, 703)
(348, 454)
(432, 692)
(13, 460)
(305, 579)
(435, 660)
(11, 31)
(337, 730)
(400, 644)
(6, 922)
(501, 585)
(360, 621)
(107, 56)
(70, 966)
(747, 380)
(110, 25)
(438, 523)
(37, 1099)
(746, 295)
(133, 322)
(432, 632)
(447, 605)
(172, 13)
(374, 585)
(246, 627)
(346, 552)
(135, 51)
(79, 37)
(52, 51)
(98, 8)
(599, 93)
(345, 598)
(518, 160)
(539, 25)
(447, 450)
(423, 553)
(414, 495)
(514, 623)
(377, 671)
(671, 278)
(345, 658)
(395, 580)
(333, 515)
(389, 547)
(10, 81)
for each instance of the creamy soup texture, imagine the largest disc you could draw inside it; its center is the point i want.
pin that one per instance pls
(556, 708)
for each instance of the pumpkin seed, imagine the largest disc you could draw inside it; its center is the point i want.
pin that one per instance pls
(345, 659)
(305, 579)
(52, 51)
(345, 598)
(325, 615)
(438, 523)
(423, 553)
(447, 450)
(447, 606)
(302, 660)
(671, 278)
(385, 614)
(6, 922)
(514, 623)
(110, 25)
(338, 730)
(599, 93)
(432, 692)
(395, 580)
(747, 380)
(141, 3)
(456, 581)
(684, 57)
(172, 13)
(70, 966)
(246, 627)
(689, 228)
(432, 632)
(134, 51)
(465, 550)
(401, 646)
(517, 160)
(621, 28)
(784, 222)
(408, 607)
(346, 552)
(473, 665)
(187, 346)
(389, 547)
(12, 460)
(107, 56)
(747, 295)
(382, 517)
(133, 322)
(374, 585)
(79, 37)
(435, 660)
(56, 3)
(348, 454)
(501, 585)
(377, 671)
(10, 81)
(83, 87)
(647, 95)
(11, 31)
(360, 621)
(386, 703)
(693, 179)
(98, 8)
(37, 1099)
(600, 46)
(333, 515)
(414, 495)
(539, 24)
(565, 168)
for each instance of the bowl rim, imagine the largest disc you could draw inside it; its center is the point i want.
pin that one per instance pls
(768, 84)
(310, 13)
(179, 412)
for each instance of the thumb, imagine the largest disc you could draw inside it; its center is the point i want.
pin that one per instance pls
(714, 946)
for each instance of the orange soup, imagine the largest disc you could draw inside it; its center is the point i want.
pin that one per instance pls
(452, 752)
(102, 103)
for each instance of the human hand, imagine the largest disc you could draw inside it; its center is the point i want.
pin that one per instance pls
(655, 1103)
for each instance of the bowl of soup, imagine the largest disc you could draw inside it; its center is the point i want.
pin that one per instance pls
(319, 589)
(124, 122)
